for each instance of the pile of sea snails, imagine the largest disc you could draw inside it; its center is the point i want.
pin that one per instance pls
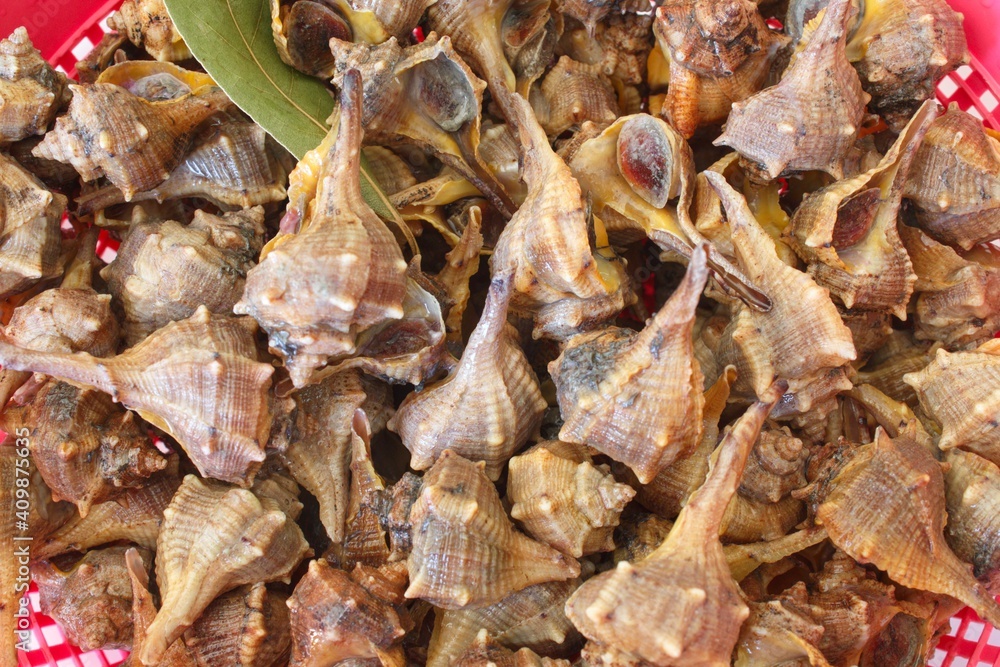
(678, 349)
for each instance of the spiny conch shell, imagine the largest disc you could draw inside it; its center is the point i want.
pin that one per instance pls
(461, 263)
(620, 45)
(395, 18)
(341, 273)
(532, 618)
(423, 95)
(806, 122)
(485, 652)
(31, 92)
(87, 448)
(955, 181)
(135, 516)
(197, 379)
(499, 149)
(743, 559)
(776, 466)
(572, 93)
(70, 318)
(111, 132)
(909, 638)
(958, 301)
(546, 245)
(748, 520)
(488, 406)
(231, 164)
(247, 627)
(801, 338)
(143, 615)
(530, 34)
(901, 49)
(679, 605)
(338, 615)
(959, 390)
(465, 551)
(780, 632)
(869, 329)
(887, 367)
(32, 241)
(668, 492)
(147, 24)
(886, 507)
(475, 25)
(216, 537)
(92, 600)
(893, 416)
(396, 518)
(588, 12)
(637, 397)
(302, 32)
(99, 58)
(720, 52)
(972, 487)
(562, 499)
(847, 233)
(165, 270)
(319, 441)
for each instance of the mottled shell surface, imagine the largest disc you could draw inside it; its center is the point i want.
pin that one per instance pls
(214, 538)
(465, 549)
(486, 652)
(487, 408)
(31, 92)
(637, 397)
(972, 490)
(475, 27)
(247, 627)
(147, 24)
(302, 32)
(572, 93)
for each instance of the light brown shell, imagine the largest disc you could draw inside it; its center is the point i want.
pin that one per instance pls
(955, 181)
(679, 605)
(461, 263)
(475, 26)
(164, 270)
(847, 231)
(337, 616)
(561, 498)
(135, 143)
(958, 389)
(246, 627)
(315, 290)
(465, 550)
(801, 338)
(92, 600)
(637, 397)
(806, 122)
(488, 406)
(147, 24)
(87, 448)
(887, 507)
(215, 537)
(972, 491)
(197, 379)
(485, 652)
(572, 93)
(546, 247)
(30, 239)
(31, 92)
(532, 618)
(302, 32)
(776, 467)
(887, 367)
(780, 632)
(720, 52)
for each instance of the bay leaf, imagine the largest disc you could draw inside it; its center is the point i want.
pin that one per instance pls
(232, 40)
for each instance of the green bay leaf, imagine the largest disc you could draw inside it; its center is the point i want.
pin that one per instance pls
(232, 40)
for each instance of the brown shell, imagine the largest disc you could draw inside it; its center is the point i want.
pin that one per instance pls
(847, 231)
(972, 491)
(801, 338)
(546, 245)
(461, 263)
(99, 58)
(637, 396)
(466, 551)
(620, 44)
(561, 498)
(744, 559)
(31, 92)
(146, 23)
(136, 516)
(315, 290)
(780, 631)
(955, 181)
(748, 520)
(92, 600)
(135, 143)
(488, 406)
(887, 367)
(87, 448)
(164, 270)
(247, 627)
(475, 26)
(336, 615)
(776, 467)
(532, 618)
(572, 93)
(870, 329)
(901, 49)
(806, 122)
(302, 32)
(720, 52)
(197, 379)
(30, 239)
(143, 614)
(485, 652)
(395, 18)
(215, 537)
(679, 605)
(887, 507)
